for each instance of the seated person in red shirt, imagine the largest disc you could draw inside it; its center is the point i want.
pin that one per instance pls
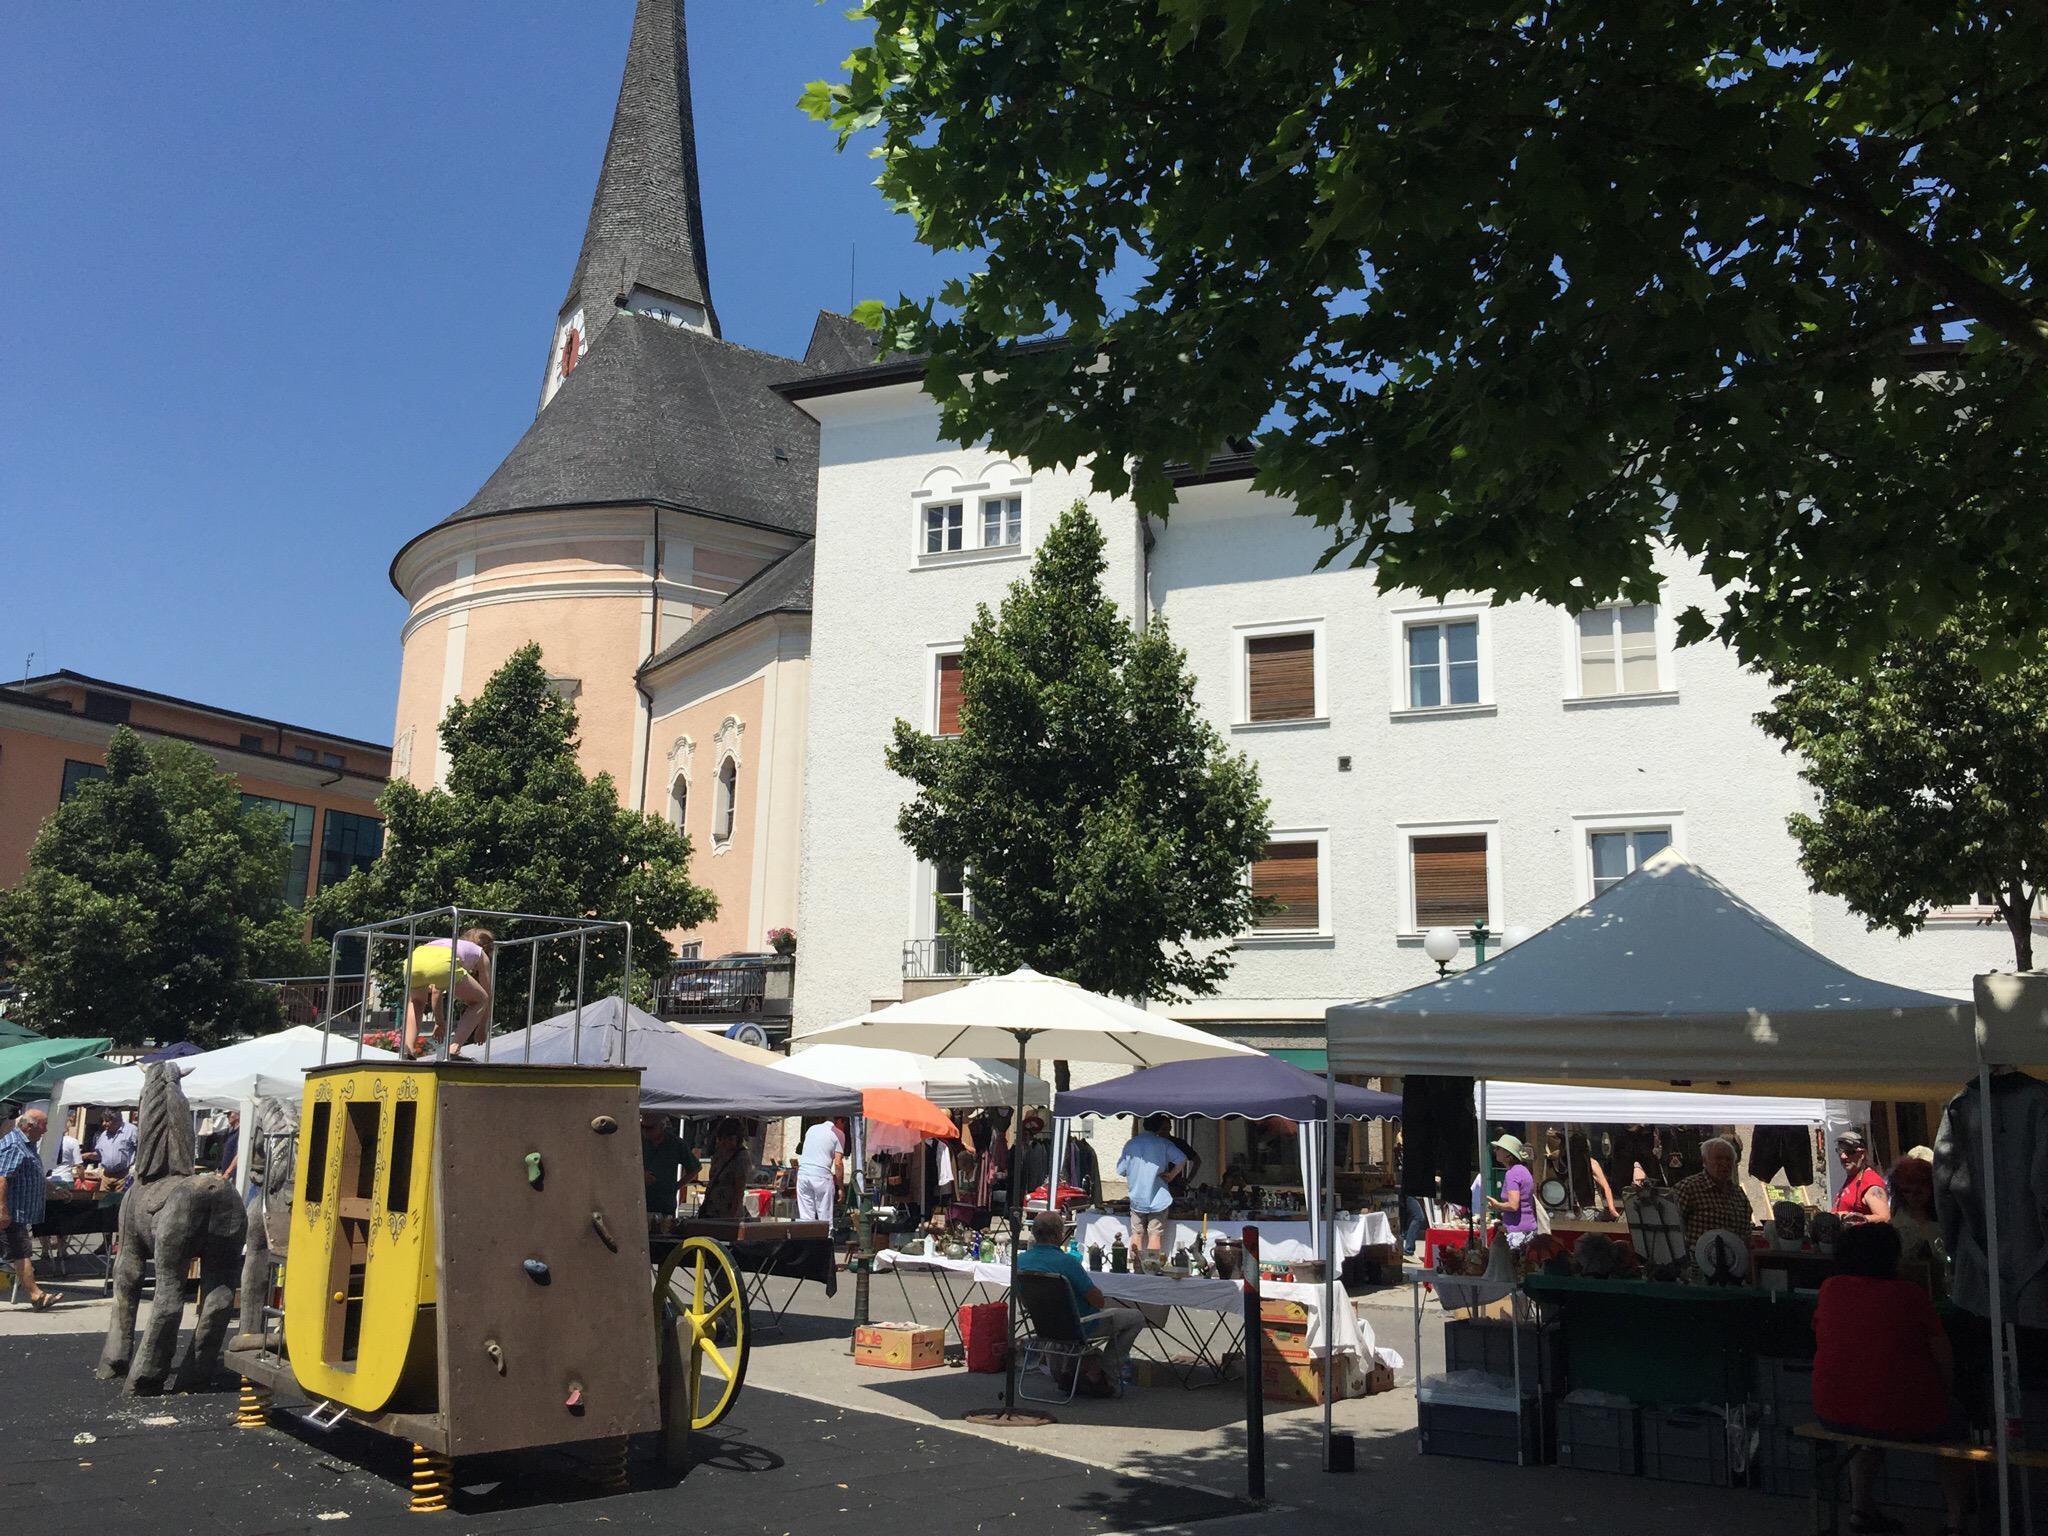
(1883, 1367)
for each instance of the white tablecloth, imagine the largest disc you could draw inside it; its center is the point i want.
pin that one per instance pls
(1354, 1337)
(1277, 1239)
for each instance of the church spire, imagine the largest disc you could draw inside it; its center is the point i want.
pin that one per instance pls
(644, 245)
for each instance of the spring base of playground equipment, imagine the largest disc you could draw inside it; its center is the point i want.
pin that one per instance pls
(432, 1478)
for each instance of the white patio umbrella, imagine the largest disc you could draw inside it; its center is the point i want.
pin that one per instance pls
(1023, 1014)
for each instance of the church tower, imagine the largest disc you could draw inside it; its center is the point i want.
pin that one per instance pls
(643, 249)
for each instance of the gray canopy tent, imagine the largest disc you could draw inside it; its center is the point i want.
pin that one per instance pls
(1671, 980)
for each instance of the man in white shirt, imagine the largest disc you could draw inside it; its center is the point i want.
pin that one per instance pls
(819, 1168)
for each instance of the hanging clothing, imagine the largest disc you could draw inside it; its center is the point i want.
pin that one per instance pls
(1628, 1145)
(1786, 1149)
(1082, 1170)
(2019, 1146)
(1439, 1137)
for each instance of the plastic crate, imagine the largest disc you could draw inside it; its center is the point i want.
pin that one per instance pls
(1783, 1464)
(1598, 1437)
(1685, 1445)
(1488, 1346)
(1484, 1433)
(1784, 1390)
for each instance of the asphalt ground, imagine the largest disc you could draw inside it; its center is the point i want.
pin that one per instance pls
(78, 1454)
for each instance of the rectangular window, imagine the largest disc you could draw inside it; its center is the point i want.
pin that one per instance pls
(1290, 874)
(1280, 677)
(333, 760)
(348, 843)
(251, 743)
(1618, 651)
(76, 774)
(1443, 664)
(305, 754)
(1617, 855)
(1450, 880)
(944, 526)
(298, 836)
(107, 707)
(1002, 522)
(946, 696)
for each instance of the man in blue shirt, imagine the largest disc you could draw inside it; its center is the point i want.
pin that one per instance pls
(23, 1190)
(1121, 1322)
(1149, 1163)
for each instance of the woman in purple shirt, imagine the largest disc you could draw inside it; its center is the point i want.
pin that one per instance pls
(1517, 1203)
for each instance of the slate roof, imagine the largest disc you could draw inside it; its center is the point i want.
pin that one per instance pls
(647, 218)
(784, 587)
(840, 342)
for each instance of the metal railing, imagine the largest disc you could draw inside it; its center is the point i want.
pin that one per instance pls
(762, 987)
(934, 960)
(302, 997)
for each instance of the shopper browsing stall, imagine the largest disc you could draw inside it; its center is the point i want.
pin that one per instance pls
(1516, 1204)
(1711, 1200)
(1863, 1196)
(820, 1167)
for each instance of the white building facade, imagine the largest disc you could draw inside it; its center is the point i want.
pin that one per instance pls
(1427, 763)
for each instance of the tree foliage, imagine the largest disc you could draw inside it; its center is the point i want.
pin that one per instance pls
(1508, 294)
(151, 899)
(519, 828)
(1104, 827)
(1931, 781)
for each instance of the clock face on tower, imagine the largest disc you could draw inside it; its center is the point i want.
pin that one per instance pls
(570, 344)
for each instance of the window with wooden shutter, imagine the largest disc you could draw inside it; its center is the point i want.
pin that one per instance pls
(1289, 875)
(946, 707)
(1280, 677)
(1450, 880)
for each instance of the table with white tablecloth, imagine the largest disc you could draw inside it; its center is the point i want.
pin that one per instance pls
(1196, 1317)
(1282, 1240)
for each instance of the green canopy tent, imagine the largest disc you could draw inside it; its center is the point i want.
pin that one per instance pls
(15, 1033)
(25, 1066)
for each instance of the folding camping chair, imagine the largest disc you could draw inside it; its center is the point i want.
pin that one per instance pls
(1059, 1336)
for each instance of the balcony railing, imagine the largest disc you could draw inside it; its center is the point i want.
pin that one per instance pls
(693, 988)
(305, 997)
(934, 960)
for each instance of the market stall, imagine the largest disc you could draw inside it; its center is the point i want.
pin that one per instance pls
(1256, 1087)
(1670, 981)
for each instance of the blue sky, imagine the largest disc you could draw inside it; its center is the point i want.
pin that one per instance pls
(284, 277)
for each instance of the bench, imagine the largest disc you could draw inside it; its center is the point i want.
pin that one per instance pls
(1832, 1449)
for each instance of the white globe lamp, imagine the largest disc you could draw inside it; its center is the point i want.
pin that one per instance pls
(1514, 935)
(1441, 945)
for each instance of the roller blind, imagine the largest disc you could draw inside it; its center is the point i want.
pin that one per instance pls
(1281, 677)
(1450, 880)
(948, 713)
(1289, 875)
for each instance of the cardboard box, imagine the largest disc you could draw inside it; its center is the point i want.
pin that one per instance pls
(1282, 1314)
(1159, 1373)
(1283, 1344)
(899, 1346)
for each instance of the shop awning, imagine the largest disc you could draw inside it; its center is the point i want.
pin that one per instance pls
(1645, 1106)
(1668, 980)
(28, 1067)
(1225, 1087)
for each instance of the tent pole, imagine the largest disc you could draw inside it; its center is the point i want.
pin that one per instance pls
(1473, 1224)
(1999, 1401)
(1016, 1235)
(1329, 1235)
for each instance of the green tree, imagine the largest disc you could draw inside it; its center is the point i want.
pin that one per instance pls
(1931, 781)
(150, 901)
(1104, 827)
(519, 828)
(1508, 295)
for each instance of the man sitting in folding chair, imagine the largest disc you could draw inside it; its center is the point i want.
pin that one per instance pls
(1082, 1336)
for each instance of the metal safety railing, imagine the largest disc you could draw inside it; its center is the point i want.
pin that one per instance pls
(417, 928)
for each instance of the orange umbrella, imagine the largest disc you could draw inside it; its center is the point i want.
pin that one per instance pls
(913, 1111)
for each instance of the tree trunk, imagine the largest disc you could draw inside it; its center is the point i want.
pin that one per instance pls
(2019, 921)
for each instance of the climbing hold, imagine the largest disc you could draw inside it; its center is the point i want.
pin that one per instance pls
(538, 1269)
(574, 1401)
(604, 1232)
(340, 1297)
(497, 1355)
(533, 1170)
(604, 1125)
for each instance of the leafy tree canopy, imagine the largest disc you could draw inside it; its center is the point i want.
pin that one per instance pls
(1104, 826)
(1509, 294)
(519, 828)
(151, 899)
(1930, 778)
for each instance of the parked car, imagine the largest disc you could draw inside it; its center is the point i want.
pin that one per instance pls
(730, 984)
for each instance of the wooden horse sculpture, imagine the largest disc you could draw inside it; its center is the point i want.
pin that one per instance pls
(172, 1215)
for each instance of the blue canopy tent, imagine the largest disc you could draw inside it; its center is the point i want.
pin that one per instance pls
(1229, 1088)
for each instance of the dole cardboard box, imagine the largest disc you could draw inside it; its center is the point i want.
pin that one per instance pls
(899, 1346)
(1284, 1344)
(1282, 1314)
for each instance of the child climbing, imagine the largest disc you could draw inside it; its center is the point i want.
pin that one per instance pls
(440, 976)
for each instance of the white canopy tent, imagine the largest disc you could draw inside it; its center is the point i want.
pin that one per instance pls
(232, 1077)
(1671, 980)
(962, 1083)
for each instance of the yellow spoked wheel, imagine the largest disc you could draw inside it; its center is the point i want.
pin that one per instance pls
(700, 1318)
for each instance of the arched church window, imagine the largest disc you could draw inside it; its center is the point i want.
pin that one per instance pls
(678, 801)
(726, 808)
